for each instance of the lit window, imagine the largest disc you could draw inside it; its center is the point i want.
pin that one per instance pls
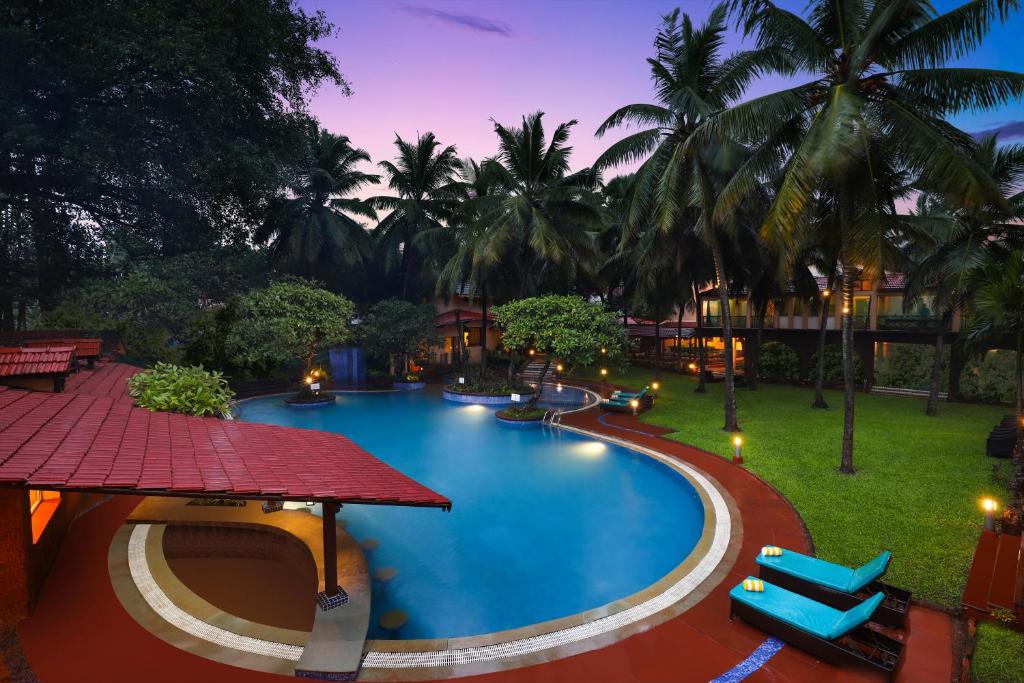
(42, 504)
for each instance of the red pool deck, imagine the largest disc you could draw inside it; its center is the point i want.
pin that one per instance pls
(80, 631)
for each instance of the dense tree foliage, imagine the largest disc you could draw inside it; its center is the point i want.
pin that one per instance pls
(143, 128)
(397, 329)
(289, 320)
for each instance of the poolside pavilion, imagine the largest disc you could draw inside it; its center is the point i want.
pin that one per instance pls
(74, 445)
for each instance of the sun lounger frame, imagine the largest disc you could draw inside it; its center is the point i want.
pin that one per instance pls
(862, 646)
(892, 612)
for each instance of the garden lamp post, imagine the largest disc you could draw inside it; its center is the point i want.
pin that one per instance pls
(737, 456)
(634, 404)
(990, 506)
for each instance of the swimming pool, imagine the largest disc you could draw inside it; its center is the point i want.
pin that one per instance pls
(545, 523)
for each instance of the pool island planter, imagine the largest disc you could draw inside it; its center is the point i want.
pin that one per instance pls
(518, 422)
(483, 399)
(408, 386)
(319, 402)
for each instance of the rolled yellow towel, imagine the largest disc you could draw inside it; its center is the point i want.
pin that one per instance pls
(771, 551)
(753, 585)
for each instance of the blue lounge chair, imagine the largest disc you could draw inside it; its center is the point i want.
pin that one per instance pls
(630, 395)
(832, 635)
(836, 585)
(622, 404)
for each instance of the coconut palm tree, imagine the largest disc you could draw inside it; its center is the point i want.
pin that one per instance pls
(466, 238)
(542, 225)
(879, 84)
(679, 177)
(427, 190)
(313, 226)
(953, 240)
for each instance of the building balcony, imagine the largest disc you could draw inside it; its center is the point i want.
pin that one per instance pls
(908, 323)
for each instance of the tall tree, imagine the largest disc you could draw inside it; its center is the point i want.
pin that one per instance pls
(310, 228)
(426, 186)
(952, 240)
(541, 225)
(681, 175)
(880, 86)
(149, 127)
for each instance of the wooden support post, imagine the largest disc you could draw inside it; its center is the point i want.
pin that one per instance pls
(330, 549)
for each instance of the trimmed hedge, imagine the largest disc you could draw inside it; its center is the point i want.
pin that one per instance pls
(777, 361)
(834, 365)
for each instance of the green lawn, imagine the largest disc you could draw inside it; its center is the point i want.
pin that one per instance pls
(918, 484)
(998, 655)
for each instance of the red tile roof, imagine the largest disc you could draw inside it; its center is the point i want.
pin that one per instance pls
(72, 441)
(86, 347)
(107, 380)
(36, 361)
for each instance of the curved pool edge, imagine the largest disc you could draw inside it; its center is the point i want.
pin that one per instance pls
(682, 588)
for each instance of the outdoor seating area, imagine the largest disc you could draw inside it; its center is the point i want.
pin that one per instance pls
(512, 342)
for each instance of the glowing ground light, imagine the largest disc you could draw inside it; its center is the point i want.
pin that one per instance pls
(655, 385)
(559, 367)
(737, 456)
(309, 380)
(604, 372)
(989, 504)
(591, 448)
(693, 366)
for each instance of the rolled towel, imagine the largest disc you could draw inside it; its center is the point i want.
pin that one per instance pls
(753, 585)
(771, 551)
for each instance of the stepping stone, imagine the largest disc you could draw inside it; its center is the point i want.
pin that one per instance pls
(393, 620)
(385, 574)
(370, 544)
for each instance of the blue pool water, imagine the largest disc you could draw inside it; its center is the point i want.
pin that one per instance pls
(544, 523)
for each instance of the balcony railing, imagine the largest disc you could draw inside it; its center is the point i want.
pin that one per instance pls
(908, 323)
(736, 320)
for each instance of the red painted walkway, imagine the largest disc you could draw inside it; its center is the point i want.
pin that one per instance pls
(80, 632)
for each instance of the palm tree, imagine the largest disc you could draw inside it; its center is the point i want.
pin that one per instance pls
(958, 239)
(313, 227)
(879, 85)
(426, 193)
(680, 177)
(541, 226)
(467, 236)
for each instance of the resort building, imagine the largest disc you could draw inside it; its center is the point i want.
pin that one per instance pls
(878, 315)
(461, 314)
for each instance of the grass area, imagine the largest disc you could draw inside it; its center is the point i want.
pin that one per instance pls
(917, 488)
(998, 655)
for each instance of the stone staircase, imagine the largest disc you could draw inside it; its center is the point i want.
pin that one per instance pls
(531, 373)
(996, 579)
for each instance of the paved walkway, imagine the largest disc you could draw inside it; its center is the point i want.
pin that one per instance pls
(80, 631)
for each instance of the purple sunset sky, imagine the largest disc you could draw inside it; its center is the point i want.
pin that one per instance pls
(450, 66)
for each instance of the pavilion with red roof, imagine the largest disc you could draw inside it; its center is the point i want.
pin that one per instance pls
(82, 443)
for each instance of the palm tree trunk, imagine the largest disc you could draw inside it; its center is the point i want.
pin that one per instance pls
(679, 335)
(933, 391)
(731, 424)
(483, 333)
(846, 464)
(1020, 377)
(459, 346)
(657, 345)
(819, 375)
(701, 357)
(755, 360)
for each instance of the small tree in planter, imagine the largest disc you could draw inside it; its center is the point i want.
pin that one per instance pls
(565, 326)
(292, 319)
(395, 329)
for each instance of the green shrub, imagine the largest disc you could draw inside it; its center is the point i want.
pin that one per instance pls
(997, 655)
(834, 365)
(777, 361)
(909, 366)
(989, 379)
(521, 413)
(176, 389)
